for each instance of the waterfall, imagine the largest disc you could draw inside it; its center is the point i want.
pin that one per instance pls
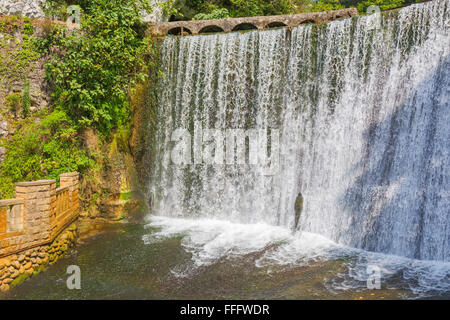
(355, 114)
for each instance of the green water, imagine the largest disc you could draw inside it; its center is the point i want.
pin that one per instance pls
(118, 265)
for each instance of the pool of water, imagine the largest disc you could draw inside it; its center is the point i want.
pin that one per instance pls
(186, 259)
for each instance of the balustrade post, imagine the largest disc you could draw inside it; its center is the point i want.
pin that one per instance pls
(70, 180)
(38, 211)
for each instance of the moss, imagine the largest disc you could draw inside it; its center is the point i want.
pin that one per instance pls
(40, 268)
(20, 279)
(126, 196)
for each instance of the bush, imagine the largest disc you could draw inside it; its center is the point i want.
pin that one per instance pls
(383, 4)
(215, 14)
(14, 102)
(41, 149)
(26, 99)
(91, 73)
(205, 9)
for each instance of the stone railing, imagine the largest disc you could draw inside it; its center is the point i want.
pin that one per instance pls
(39, 213)
(237, 24)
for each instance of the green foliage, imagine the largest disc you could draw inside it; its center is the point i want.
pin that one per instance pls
(246, 8)
(214, 14)
(26, 100)
(41, 149)
(14, 102)
(325, 5)
(57, 9)
(217, 9)
(169, 9)
(383, 4)
(16, 62)
(210, 9)
(92, 71)
(28, 28)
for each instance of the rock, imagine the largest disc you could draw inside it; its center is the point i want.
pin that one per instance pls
(157, 15)
(4, 128)
(16, 264)
(2, 153)
(29, 8)
(21, 258)
(4, 275)
(7, 281)
(4, 287)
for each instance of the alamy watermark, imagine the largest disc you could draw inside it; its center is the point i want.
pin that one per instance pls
(74, 20)
(374, 20)
(217, 147)
(74, 281)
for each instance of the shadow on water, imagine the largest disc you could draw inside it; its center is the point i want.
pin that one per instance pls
(400, 204)
(118, 265)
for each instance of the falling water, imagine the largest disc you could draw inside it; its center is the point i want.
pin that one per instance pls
(362, 110)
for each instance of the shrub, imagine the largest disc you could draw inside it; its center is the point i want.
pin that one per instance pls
(41, 149)
(14, 102)
(26, 100)
(91, 73)
(215, 14)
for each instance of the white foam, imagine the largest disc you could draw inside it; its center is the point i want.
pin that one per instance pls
(210, 240)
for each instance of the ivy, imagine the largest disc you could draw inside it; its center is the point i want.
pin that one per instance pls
(92, 70)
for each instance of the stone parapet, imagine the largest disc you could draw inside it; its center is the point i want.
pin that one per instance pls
(38, 214)
(35, 227)
(236, 24)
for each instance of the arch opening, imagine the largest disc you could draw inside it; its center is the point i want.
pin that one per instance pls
(244, 27)
(179, 31)
(276, 25)
(308, 21)
(211, 29)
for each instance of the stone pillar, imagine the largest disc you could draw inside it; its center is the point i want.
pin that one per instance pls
(39, 208)
(71, 180)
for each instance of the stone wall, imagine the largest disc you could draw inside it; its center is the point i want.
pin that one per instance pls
(234, 24)
(33, 227)
(32, 9)
(17, 68)
(157, 14)
(29, 8)
(16, 268)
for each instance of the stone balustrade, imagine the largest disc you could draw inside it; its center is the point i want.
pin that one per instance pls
(32, 225)
(38, 214)
(236, 24)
